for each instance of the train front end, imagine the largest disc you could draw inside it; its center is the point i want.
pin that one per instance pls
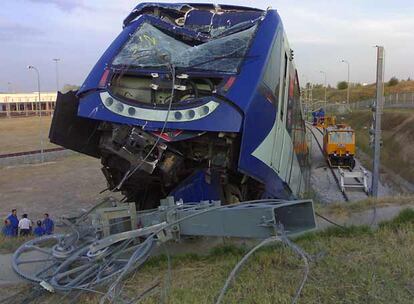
(155, 110)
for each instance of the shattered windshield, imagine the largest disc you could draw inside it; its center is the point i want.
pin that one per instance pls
(151, 47)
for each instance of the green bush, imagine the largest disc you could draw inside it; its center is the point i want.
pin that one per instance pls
(342, 85)
(393, 81)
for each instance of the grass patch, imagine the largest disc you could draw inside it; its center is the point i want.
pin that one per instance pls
(358, 265)
(345, 210)
(9, 245)
(406, 216)
(337, 232)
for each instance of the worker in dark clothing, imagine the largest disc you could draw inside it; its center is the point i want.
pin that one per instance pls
(48, 224)
(14, 222)
(39, 231)
(7, 229)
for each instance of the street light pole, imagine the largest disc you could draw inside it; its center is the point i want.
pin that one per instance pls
(30, 67)
(324, 74)
(56, 60)
(376, 126)
(348, 88)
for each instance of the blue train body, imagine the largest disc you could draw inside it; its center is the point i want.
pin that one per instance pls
(197, 101)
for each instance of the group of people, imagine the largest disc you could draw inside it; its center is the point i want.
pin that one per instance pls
(14, 227)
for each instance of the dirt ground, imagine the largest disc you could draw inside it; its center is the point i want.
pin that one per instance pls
(22, 134)
(63, 187)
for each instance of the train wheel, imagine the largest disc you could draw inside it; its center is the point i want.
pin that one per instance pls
(352, 163)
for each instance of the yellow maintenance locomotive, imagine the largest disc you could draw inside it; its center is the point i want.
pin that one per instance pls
(339, 145)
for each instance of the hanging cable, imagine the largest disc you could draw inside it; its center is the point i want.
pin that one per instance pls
(282, 237)
(129, 173)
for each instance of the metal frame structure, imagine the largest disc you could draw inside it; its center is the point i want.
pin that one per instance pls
(93, 253)
(360, 179)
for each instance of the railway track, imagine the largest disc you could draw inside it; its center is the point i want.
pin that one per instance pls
(334, 174)
(34, 152)
(349, 169)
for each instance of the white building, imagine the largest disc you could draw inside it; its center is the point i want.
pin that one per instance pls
(27, 104)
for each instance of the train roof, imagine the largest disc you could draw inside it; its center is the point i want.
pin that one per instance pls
(339, 128)
(178, 8)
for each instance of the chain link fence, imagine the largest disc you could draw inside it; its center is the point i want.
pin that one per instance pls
(397, 100)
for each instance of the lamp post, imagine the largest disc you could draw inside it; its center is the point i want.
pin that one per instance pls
(324, 74)
(348, 88)
(30, 67)
(56, 60)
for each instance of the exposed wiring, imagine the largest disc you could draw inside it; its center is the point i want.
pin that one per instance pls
(304, 257)
(129, 173)
(241, 263)
(139, 256)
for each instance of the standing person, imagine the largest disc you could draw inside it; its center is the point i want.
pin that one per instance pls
(39, 231)
(7, 229)
(48, 224)
(14, 221)
(25, 225)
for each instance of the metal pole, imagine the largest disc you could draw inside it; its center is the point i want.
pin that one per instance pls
(56, 60)
(324, 74)
(377, 120)
(348, 88)
(40, 111)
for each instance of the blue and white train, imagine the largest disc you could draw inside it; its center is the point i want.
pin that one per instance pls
(196, 101)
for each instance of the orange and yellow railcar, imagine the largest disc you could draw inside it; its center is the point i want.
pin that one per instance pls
(339, 145)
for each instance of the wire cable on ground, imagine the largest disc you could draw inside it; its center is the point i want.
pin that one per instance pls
(282, 237)
(304, 257)
(241, 263)
(139, 256)
(330, 221)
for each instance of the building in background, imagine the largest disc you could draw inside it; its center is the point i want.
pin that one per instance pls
(27, 104)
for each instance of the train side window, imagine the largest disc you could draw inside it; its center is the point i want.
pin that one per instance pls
(271, 77)
(282, 98)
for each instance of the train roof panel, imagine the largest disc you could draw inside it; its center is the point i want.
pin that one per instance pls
(177, 9)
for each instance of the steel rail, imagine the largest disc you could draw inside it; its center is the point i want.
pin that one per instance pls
(345, 196)
(34, 152)
(349, 169)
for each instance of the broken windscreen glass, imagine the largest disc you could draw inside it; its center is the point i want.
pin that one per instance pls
(151, 47)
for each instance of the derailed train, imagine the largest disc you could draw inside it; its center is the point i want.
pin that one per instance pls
(195, 101)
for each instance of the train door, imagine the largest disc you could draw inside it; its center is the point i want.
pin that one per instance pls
(279, 148)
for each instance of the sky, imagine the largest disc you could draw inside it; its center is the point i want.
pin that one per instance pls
(321, 33)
